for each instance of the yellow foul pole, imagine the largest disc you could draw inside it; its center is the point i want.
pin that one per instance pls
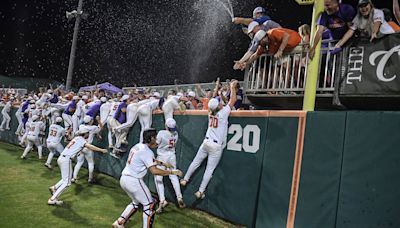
(312, 72)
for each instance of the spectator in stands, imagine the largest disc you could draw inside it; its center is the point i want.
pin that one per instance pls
(396, 10)
(389, 19)
(278, 41)
(337, 17)
(258, 32)
(370, 22)
(259, 15)
(206, 96)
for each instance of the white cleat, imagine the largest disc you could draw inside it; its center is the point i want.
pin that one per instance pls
(73, 180)
(181, 204)
(52, 189)
(161, 206)
(48, 165)
(54, 202)
(117, 225)
(200, 195)
(183, 182)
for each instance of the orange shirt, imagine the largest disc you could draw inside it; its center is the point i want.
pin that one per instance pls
(395, 27)
(205, 103)
(275, 38)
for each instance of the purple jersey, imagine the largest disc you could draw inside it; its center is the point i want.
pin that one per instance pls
(337, 23)
(54, 99)
(119, 115)
(94, 110)
(70, 110)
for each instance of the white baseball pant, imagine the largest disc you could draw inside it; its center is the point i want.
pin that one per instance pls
(6, 121)
(169, 107)
(33, 141)
(20, 123)
(140, 194)
(89, 156)
(214, 153)
(171, 159)
(53, 148)
(65, 164)
(145, 119)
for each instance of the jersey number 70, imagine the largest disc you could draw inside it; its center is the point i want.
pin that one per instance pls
(213, 122)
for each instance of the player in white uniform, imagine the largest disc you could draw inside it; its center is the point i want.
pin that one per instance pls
(104, 111)
(145, 112)
(86, 153)
(65, 163)
(166, 140)
(6, 117)
(56, 133)
(34, 128)
(113, 109)
(140, 159)
(172, 104)
(214, 142)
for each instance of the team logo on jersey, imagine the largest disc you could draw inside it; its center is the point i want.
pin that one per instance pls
(380, 69)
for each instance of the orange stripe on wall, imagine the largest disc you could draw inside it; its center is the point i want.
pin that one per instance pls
(296, 172)
(243, 113)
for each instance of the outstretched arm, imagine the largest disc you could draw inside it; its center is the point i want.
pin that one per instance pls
(396, 10)
(95, 148)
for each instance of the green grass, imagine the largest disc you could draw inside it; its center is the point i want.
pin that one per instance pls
(24, 194)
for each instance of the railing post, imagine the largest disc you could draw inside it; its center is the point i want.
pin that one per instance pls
(312, 74)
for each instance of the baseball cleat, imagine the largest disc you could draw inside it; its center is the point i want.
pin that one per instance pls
(183, 182)
(52, 189)
(161, 206)
(73, 180)
(181, 204)
(200, 195)
(48, 165)
(55, 202)
(92, 181)
(23, 157)
(117, 225)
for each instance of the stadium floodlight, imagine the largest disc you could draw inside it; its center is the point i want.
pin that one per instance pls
(77, 14)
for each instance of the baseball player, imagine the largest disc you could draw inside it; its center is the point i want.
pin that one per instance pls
(140, 159)
(110, 121)
(166, 140)
(20, 116)
(145, 112)
(104, 111)
(123, 129)
(172, 104)
(34, 128)
(56, 133)
(86, 153)
(65, 163)
(214, 141)
(119, 118)
(67, 115)
(6, 117)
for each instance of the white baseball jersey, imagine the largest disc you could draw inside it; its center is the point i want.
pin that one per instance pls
(113, 108)
(73, 147)
(153, 103)
(35, 128)
(56, 132)
(218, 126)
(140, 159)
(80, 108)
(166, 141)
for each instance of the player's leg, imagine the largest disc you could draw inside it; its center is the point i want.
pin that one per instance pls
(110, 140)
(89, 156)
(66, 171)
(214, 157)
(160, 188)
(3, 122)
(75, 123)
(27, 149)
(39, 146)
(143, 196)
(8, 119)
(129, 185)
(200, 156)
(52, 150)
(80, 159)
(175, 182)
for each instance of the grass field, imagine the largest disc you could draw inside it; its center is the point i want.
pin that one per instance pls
(24, 194)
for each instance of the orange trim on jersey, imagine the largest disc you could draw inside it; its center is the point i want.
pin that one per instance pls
(296, 172)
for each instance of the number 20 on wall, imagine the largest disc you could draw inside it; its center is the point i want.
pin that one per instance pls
(244, 134)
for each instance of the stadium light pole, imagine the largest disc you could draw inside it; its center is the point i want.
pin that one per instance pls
(73, 14)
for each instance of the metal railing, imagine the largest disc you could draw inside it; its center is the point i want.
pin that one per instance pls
(287, 75)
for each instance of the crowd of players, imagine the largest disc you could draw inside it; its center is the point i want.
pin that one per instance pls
(76, 119)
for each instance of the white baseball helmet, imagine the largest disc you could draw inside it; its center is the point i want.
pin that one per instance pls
(103, 99)
(83, 129)
(156, 94)
(213, 104)
(171, 124)
(59, 119)
(35, 117)
(125, 98)
(75, 98)
(251, 26)
(191, 94)
(87, 119)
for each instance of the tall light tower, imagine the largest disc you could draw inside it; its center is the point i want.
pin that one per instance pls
(78, 15)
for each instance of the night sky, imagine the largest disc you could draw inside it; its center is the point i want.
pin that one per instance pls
(133, 42)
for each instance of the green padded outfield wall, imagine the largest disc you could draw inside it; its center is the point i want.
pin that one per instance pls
(351, 161)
